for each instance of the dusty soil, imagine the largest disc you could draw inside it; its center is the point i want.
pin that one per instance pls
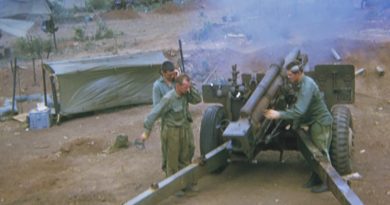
(67, 164)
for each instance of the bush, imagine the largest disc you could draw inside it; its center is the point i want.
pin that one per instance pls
(21, 47)
(103, 32)
(32, 47)
(79, 34)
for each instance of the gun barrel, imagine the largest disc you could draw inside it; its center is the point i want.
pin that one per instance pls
(257, 115)
(260, 90)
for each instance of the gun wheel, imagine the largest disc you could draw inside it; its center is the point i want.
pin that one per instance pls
(341, 148)
(213, 124)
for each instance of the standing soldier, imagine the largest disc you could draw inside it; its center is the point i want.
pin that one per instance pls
(161, 87)
(309, 109)
(165, 83)
(176, 133)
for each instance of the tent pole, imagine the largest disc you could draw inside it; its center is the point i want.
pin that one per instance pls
(55, 41)
(44, 83)
(54, 90)
(19, 86)
(13, 69)
(34, 74)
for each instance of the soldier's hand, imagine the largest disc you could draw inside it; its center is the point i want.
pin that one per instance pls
(271, 114)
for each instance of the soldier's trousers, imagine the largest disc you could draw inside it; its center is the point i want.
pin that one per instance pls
(178, 146)
(321, 136)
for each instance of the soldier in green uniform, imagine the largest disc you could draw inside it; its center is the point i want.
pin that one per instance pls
(176, 134)
(309, 109)
(161, 87)
(165, 83)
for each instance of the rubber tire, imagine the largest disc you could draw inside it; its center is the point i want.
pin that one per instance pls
(210, 134)
(211, 131)
(341, 148)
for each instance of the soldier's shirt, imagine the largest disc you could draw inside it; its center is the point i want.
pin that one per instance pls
(173, 108)
(310, 106)
(160, 88)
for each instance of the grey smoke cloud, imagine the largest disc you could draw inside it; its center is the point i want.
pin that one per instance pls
(316, 26)
(270, 21)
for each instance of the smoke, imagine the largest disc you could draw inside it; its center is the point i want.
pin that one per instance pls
(270, 22)
(272, 28)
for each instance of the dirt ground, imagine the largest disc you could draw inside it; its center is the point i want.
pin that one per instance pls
(67, 164)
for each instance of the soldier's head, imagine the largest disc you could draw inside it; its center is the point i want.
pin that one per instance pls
(183, 84)
(168, 71)
(294, 71)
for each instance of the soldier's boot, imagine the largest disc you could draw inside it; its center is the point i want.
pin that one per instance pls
(180, 193)
(192, 188)
(313, 181)
(320, 188)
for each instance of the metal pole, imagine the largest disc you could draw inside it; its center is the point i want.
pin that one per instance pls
(44, 83)
(167, 187)
(18, 80)
(34, 74)
(181, 57)
(13, 69)
(54, 91)
(55, 40)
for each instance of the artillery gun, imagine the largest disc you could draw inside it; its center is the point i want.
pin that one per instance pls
(238, 117)
(234, 128)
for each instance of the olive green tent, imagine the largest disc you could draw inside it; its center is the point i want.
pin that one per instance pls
(98, 83)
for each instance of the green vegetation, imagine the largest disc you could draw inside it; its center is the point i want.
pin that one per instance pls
(79, 34)
(32, 47)
(103, 31)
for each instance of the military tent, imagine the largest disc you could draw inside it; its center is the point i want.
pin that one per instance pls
(90, 84)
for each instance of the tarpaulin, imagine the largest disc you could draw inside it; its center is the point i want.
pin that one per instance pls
(98, 83)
